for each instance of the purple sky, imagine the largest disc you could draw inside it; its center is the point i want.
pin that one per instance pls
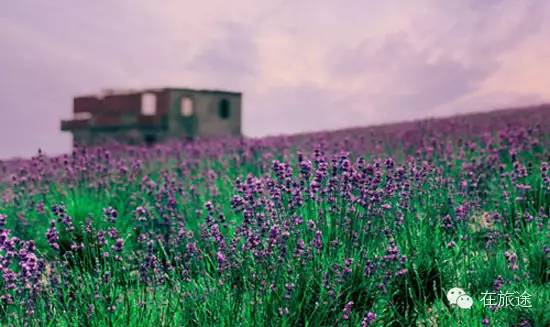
(302, 65)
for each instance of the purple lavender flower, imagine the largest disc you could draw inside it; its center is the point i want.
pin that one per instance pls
(392, 252)
(215, 233)
(10, 278)
(283, 311)
(461, 211)
(88, 225)
(119, 244)
(447, 222)
(369, 319)
(192, 248)
(106, 277)
(110, 214)
(101, 238)
(289, 287)
(52, 236)
(63, 217)
(347, 310)
(370, 267)
(512, 259)
(141, 213)
(112, 233)
(318, 241)
(221, 260)
(347, 266)
(274, 233)
(401, 272)
(497, 284)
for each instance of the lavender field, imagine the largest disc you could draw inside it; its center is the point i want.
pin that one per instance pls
(361, 227)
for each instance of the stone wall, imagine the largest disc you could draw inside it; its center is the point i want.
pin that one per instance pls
(206, 120)
(117, 118)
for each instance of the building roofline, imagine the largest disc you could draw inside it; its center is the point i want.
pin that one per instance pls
(114, 92)
(201, 90)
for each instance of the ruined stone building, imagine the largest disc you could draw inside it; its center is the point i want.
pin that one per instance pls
(153, 115)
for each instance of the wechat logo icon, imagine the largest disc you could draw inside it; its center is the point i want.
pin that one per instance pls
(458, 297)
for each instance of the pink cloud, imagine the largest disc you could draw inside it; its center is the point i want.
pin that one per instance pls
(318, 64)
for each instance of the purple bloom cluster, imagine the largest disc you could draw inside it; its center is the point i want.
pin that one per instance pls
(512, 259)
(293, 223)
(347, 310)
(497, 284)
(369, 319)
(52, 236)
(21, 271)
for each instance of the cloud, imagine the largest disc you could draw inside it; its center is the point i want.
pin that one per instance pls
(412, 74)
(299, 108)
(302, 65)
(231, 56)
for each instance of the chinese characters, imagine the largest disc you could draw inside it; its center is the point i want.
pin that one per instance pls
(507, 299)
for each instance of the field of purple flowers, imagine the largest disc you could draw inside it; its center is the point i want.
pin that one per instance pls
(362, 227)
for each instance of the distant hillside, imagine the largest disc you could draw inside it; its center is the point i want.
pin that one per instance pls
(407, 132)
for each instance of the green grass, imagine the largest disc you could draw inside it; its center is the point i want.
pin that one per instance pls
(193, 292)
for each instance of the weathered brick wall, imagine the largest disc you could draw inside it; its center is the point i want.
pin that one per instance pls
(119, 118)
(211, 123)
(206, 120)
